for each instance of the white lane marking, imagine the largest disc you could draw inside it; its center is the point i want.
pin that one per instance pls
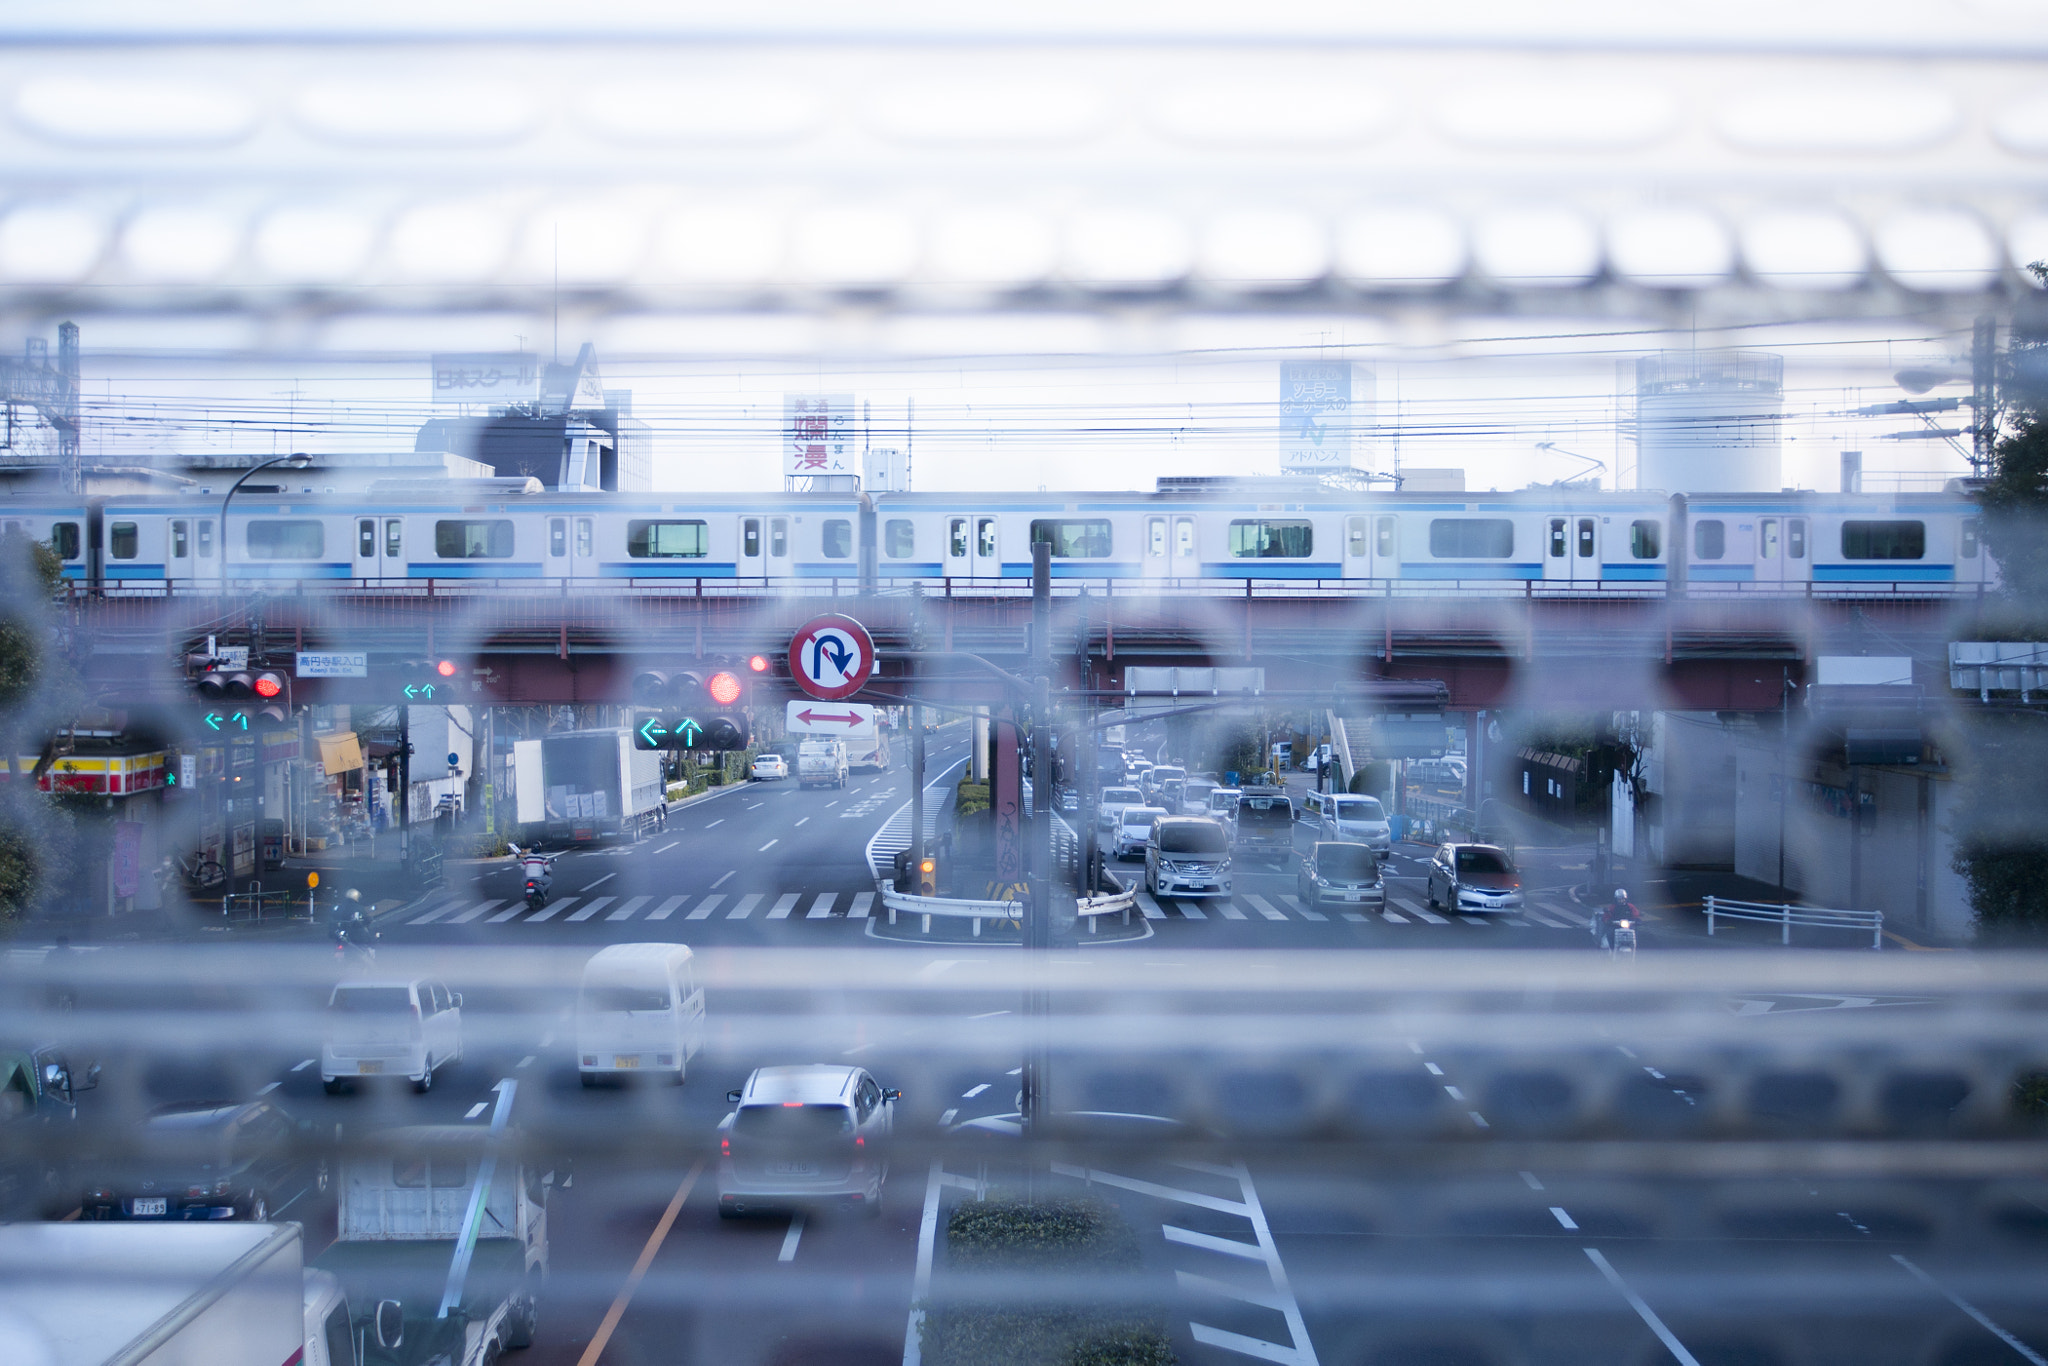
(1415, 1048)
(1229, 909)
(829, 805)
(512, 912)
(599, 883)
(1150, 907)
(1418, 912)
(1153, 1189)
(857, 1048)
(1453, 1092)
(266, 1090)
(746, 906)
(1264, 907)
(477, 1109)
(921, 1284)
(1478, 1119)
(666, 847)
(1649, 1315)
(597, 904)
(722, 877)
(431, 916)
(304, 1065)
(988, 1014)
(1534, 1184)
(1014, 1072)
(666, 908)
(1191, 911)
(473, 912)
(1354, 915)
(1476, 919)
(977, 1090)
(625, 912)
(822, 907)
(1394, 917)
(1552, 921)
(1209, 1242)
(1626, 1051)
(1983, 1321)
(1557, 1211)
(861, 902)
(791, 1238)
(769, 845)
(805, 821)
(719, 821)
(784, 904)
(551, 910)
(705, 908)
(526, 1061)
(1434, 1070)
(946, 1117)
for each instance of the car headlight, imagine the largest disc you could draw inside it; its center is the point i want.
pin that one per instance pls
(1322, 882)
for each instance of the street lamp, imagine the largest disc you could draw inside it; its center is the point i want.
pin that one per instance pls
(298, 460)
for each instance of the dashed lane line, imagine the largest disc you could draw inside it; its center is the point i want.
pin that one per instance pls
(722, 877)
(597, 884)
(769, 845)
(1983, 1321)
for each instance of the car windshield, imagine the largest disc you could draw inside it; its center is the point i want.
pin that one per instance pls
(1360, 809)
(792, 1123)
(1121, 796)
(371, 1001)
(1141, 817)
(1347, 862)
(1192, 837)
(1264, 811)
(1483, 861)
(614, 997)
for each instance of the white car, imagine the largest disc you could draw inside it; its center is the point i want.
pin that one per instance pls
(1357, 820)
(641, 1010)
(767, 767)
(1134, 827)
(802, 1136)
(394, 1028)
(1110, 806)
(1187, 856)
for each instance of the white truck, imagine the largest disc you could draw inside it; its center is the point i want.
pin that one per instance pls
(821, 763)
(582, 786)
(124, 1294)
(441, 1246)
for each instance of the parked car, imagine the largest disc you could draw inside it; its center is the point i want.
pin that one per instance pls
(1134, 827)
(768, 767)
(1359, 819)
(1187, 856)
(1110, 806)
(1474, 877)
(1333, 871)
(805, 1135)
(210, 1160)
(390, 1028)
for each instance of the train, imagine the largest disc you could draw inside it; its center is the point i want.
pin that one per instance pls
(513, 532)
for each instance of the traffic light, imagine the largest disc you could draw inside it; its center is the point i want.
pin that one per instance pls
(692, 710)
(237, 699)
(426, 680)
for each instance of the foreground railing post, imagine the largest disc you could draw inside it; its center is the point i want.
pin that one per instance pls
(1785, 915)
(1710, 917)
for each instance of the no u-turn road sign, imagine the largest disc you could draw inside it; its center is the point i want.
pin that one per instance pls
(831, 657)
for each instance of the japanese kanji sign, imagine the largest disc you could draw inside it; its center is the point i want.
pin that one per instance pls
(817, 435)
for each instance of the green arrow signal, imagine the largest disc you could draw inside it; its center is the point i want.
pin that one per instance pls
(690, 732)
(213, 720)
(413, 690)
(651, 730)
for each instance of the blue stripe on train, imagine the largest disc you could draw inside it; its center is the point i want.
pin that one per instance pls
(1633, 573)
(1886, 571)
(667, 569)
(1722, 573)
(1444, 570)
(476, 569)
(1268, 569)
(1076, 569)
(285, 571)
(129, 569)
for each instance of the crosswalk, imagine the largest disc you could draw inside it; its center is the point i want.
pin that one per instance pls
(1400, 909)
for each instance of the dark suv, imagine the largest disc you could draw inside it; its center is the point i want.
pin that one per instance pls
(210, 1160)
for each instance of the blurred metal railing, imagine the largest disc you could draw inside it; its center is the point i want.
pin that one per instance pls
(1786, 916)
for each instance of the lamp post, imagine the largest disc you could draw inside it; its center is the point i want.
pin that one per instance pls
(298, 460)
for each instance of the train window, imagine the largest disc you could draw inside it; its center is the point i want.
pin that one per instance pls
(1184, 538)
(1557, 538)
(205, 538)
(899, 538)
(1355, 537)
(1155, 537)
(1586, 538)
(778, 537)
(366, 538)
(124, 540)
(558, 536)
(64, 540)
(1250, 540)
(985, 538)
(1969, 538)
(1884, 540)
(667, 540)
(1645, 540)
(271, 538)
(750, 537)
(1385, 537)
(394, 538)
(491, 540)
(1078, 538)
(586, 537)
(1767, 538)
(1795, 538)
(1709, 539)
(181, 539)
(838, 539)
(956, 538)
(1471, 538)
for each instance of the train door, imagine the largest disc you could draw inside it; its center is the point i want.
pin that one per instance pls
(1158, 547)
(559, 565)
(1358, 546)
(753, 556)
(1781, 550)
(1571, 549)
(1187, 560)
(380, 548)
(973, 546)
(1970, 556)
(178, 550)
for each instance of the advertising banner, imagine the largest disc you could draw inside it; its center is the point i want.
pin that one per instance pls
(817, 435)
(1322, 403)
(486, 377)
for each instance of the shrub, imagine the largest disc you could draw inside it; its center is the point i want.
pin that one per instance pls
(973, 797)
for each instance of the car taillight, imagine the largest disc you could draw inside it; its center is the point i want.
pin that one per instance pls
(860, 1141)
(725, 1147)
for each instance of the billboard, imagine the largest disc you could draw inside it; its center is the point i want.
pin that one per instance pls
(1322, 405)
(817, 435)
(486, 377)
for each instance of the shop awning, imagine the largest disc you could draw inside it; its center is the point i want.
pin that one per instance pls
(340, 753)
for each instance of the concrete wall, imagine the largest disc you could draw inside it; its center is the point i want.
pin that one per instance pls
(1689, 774)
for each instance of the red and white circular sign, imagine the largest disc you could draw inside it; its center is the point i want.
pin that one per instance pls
(831, 657)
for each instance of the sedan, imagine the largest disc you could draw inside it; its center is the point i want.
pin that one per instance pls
(210, 1160)
(767, 767)
(1340, 872)
(801, 1136)
(1474, 877)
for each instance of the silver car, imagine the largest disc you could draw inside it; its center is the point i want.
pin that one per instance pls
(1358, 820)
(1134, 827)
(1187, 856)
(800, 1136)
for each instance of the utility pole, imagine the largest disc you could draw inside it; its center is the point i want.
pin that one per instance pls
(1983, 394)
(1038, 931)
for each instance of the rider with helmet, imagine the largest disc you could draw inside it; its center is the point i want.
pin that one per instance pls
(536, 876)
(1618, 912)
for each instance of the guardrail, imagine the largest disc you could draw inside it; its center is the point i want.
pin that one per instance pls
(1091, 908)
(1784, 916)
(1088, 908)
(256, 903)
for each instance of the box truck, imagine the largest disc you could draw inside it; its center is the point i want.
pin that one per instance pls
(583, 786)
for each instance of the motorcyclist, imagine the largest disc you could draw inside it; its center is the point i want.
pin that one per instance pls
(535, 871)
(1616, 912)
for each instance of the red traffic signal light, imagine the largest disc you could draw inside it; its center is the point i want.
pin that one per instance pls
(267, 685)
(723, 688)
(445, 668)
(758, 663)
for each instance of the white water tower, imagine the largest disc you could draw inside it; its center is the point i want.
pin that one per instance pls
(1708, 421)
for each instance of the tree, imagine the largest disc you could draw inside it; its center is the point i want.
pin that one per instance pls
(37, 835)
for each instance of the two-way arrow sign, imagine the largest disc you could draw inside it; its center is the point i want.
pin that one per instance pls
(829, 718)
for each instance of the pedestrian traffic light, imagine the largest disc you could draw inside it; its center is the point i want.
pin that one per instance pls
(692, 710)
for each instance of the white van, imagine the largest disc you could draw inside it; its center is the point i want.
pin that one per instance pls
(390, 1028)
(640, 1010)
(1357, 820)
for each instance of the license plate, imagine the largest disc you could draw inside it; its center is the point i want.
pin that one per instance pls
(1354, 896)
(793, 1168)
(626, 1060)
(145, 1207)
(370, 1065)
